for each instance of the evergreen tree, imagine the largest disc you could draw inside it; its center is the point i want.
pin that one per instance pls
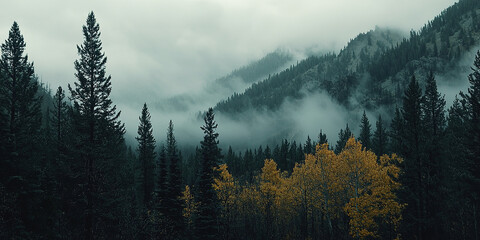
(20, 118)
(161, 193)
(173, 202)
(59, 119)
(343, 137)
(308, 148)
(380, 138)
(268, 152)
(413, 178)
(206, 223)
(19, 104)
(100, 144)
(433, 125)
(471, 104)
(458, 199)
(322, 138)
(365, 132)
(396, 133)
(146, 156)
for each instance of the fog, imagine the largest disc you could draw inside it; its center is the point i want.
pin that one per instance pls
(170, 51)
(456, 80)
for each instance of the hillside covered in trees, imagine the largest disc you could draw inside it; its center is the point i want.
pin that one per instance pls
(67, 173)
(371, 71)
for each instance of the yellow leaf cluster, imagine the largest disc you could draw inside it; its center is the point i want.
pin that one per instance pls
(353, 183)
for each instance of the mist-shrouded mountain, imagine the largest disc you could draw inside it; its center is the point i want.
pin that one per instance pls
(280, 96)
(222, 87)
(373, 69)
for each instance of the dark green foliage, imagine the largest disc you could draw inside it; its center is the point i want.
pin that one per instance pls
(459, 208)
(309, 148)
(59, 118)
(380, 138)
(20, 164)
(433, 127)
(413, 177)
(322, 138)
(365, 132)
(161, 227)
(100, 145)
(206, 224)
(146, 156)
(343, 137)
(396, 132)
(471, 104)
(173, 203)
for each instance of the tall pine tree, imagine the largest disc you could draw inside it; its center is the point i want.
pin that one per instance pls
(146, 156)
(343, 137)
(380, 138)
(20, 120)
(396, 133)
(322, 138)
(19, 104)
(206, 222)
(433, 125)
(100, 143)
(173, 203)
(365, 132)
(59, 119)
(413, 178)
(471, 104)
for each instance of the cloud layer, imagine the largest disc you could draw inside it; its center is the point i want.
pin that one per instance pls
(159, 49)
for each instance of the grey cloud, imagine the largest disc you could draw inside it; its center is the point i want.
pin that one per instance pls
(160, 49)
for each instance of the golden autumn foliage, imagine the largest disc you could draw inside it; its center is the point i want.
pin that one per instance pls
(353, 189)
(369, 188)
(190, 206)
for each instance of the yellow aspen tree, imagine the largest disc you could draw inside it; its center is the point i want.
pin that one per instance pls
(368, 188)
(325, 160)
(190, 206)
(270, 183)
(306, 186)
(226, 190)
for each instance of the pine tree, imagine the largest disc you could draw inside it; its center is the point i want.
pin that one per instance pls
(471, 104)
(308, 148)
(206, 223)
(396, 133)
(146, 155)
(268, 152)
(100, 143)
(20, 157)
(322, 138)
(173, 202)
(18, 103)
(161, 194)
(59, 119)
(458, 199)
(380, 138)
(343, 137)
(413, 177)
(365, 132)
(433, 126)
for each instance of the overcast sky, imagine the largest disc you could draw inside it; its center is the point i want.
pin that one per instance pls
(159, 48)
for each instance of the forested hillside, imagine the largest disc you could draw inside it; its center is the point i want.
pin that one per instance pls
(374, 68)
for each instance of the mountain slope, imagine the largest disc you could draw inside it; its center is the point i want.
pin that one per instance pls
(373, 69)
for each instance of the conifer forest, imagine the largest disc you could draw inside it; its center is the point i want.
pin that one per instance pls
(404, 164)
